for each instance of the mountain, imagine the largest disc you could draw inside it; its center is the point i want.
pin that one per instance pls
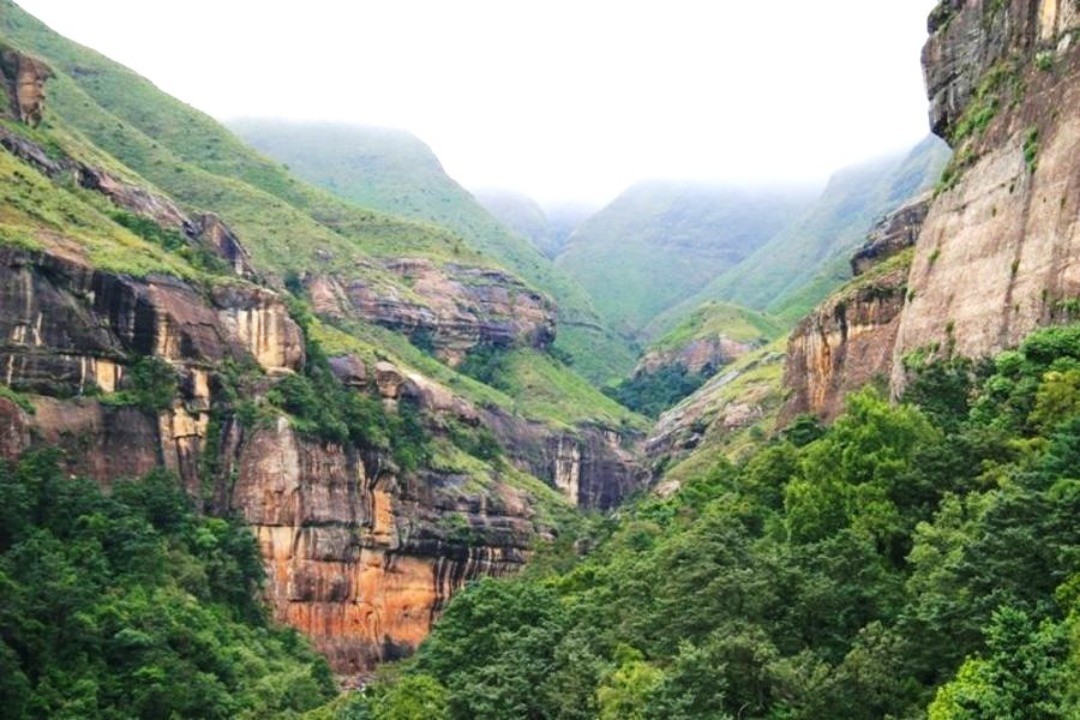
(808, 258)
(394, 172)
(548, 228)
(377, 400)
(660, 243)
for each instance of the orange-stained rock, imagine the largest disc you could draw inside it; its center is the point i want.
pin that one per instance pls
(357, 559)
(24, 77)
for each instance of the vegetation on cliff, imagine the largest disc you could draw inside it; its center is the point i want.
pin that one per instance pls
(909, 558)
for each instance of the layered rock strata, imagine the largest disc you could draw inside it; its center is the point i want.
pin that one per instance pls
(847, 341)
(450, 308)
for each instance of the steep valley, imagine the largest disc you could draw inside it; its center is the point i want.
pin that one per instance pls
(839, 479)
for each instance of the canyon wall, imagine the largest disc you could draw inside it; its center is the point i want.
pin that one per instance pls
(999, 253)
(848, 340)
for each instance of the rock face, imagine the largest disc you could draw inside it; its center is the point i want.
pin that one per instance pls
(893, 234)
(360, 557)
(703, 355)
(67, 327)
(999, 253)
(24, 81)
(594, 467)
(449, 307)
(848, 340)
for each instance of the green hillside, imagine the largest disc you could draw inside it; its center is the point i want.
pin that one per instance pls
(717, 318)
(392, 171)
(683, 360)
(659, 243)
(802, 264)
(103, 113)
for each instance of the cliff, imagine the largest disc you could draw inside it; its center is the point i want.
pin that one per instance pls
(998, 253)
(848, 340)
(148, 324)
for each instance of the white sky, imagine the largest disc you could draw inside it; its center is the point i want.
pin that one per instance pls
(560, 99)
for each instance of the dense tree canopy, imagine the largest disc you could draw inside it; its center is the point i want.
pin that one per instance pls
(127, 604)
(913, 558)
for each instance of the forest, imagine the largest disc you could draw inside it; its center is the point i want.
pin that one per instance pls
(913, 558)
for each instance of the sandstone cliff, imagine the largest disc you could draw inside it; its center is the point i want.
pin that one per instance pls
(848, 340)
(998, 254)
(103, 275)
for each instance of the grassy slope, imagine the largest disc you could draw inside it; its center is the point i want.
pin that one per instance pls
(801, 265)
(658, 243)
(392, 171)
(103, 112)
(283, 221)
(718, 318)
(758, 383)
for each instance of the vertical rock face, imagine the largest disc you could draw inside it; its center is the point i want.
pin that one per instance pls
(360, 557)
(999, 253)
(24, 80)
(848, 340)
(843, 344)
(66, 327)
(357, 557)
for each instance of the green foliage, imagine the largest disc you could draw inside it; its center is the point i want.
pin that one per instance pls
(910, 558)
(495, 650)
(130, 605)
(488, 364)
(321, 406)
(18, 398)
(199, 257)
(650, 393)
(149, 383)
(1031, 148)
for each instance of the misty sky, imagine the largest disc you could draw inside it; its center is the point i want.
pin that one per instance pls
(560, 99)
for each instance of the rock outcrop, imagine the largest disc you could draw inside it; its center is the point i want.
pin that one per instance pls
(360, 558)
(448, 308)
(848, 340)
(999, 253)
(67, 327)
(702, 355)
(24, 79)
(896, 232)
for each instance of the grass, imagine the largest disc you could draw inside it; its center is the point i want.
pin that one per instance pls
(718, 318)
(659, 243)
(35, 213)
(543, 387)
(758, 383)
